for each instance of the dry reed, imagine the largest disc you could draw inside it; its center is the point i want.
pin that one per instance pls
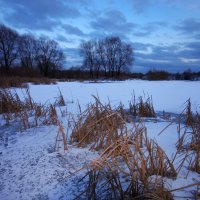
(129, 168)
(128, 160)
(142, 108)
(99, 125)
(190, 139)
(60, 99)
(22, 82)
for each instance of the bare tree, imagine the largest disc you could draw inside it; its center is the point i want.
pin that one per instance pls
(8, 47)
(124, 59)
(49, 56)
(89, 52)
(110, 55)
(113, 45)
(101, 54)
(27, 51)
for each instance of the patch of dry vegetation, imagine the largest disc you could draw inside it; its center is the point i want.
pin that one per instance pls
(30, 114)
(190, 139)
(21, 82)
(60, 100)
(142, 107)
(130, 165)
(11, 105)
(98, 125)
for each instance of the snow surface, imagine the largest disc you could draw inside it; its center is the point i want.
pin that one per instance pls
(169, 96)
(30, 169)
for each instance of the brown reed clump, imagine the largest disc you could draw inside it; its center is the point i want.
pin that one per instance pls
(7, 82)
(60, 100)
(129, 168)
(142, 108)
(29, 114)
(99, 125)
(26, 112)
(9, 102)
(190, 139)
(52, 117)
(194, 144)
(129, 165)
(61, 141)
(189, 114)
(22, 82)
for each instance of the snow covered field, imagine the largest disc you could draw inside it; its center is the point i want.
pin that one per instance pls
(30, 169)
(167, 95)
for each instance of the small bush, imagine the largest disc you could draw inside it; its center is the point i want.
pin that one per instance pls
(6, 82)
(157, 75)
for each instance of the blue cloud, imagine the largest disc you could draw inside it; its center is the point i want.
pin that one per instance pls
(148, 28)
(37, 14)
(189, 26)
(113, 22)
(141, 22)
(72, 30)
(173, 58)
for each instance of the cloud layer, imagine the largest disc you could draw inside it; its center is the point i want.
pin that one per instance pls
(165, 34)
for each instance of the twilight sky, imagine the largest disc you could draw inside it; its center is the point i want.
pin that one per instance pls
(165, 34)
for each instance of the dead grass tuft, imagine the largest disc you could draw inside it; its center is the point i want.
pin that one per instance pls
(21, 82)
(61, 141)
(60, 100)
(30, 114)
(131, 167)
(99, 125)
(7, 82)
(189, 114)
(142, 107)
(194, 144)
(9, 102)
(190, 139)
(26, 112)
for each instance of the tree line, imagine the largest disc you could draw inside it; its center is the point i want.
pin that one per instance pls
(28, 52)
(110, 56)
